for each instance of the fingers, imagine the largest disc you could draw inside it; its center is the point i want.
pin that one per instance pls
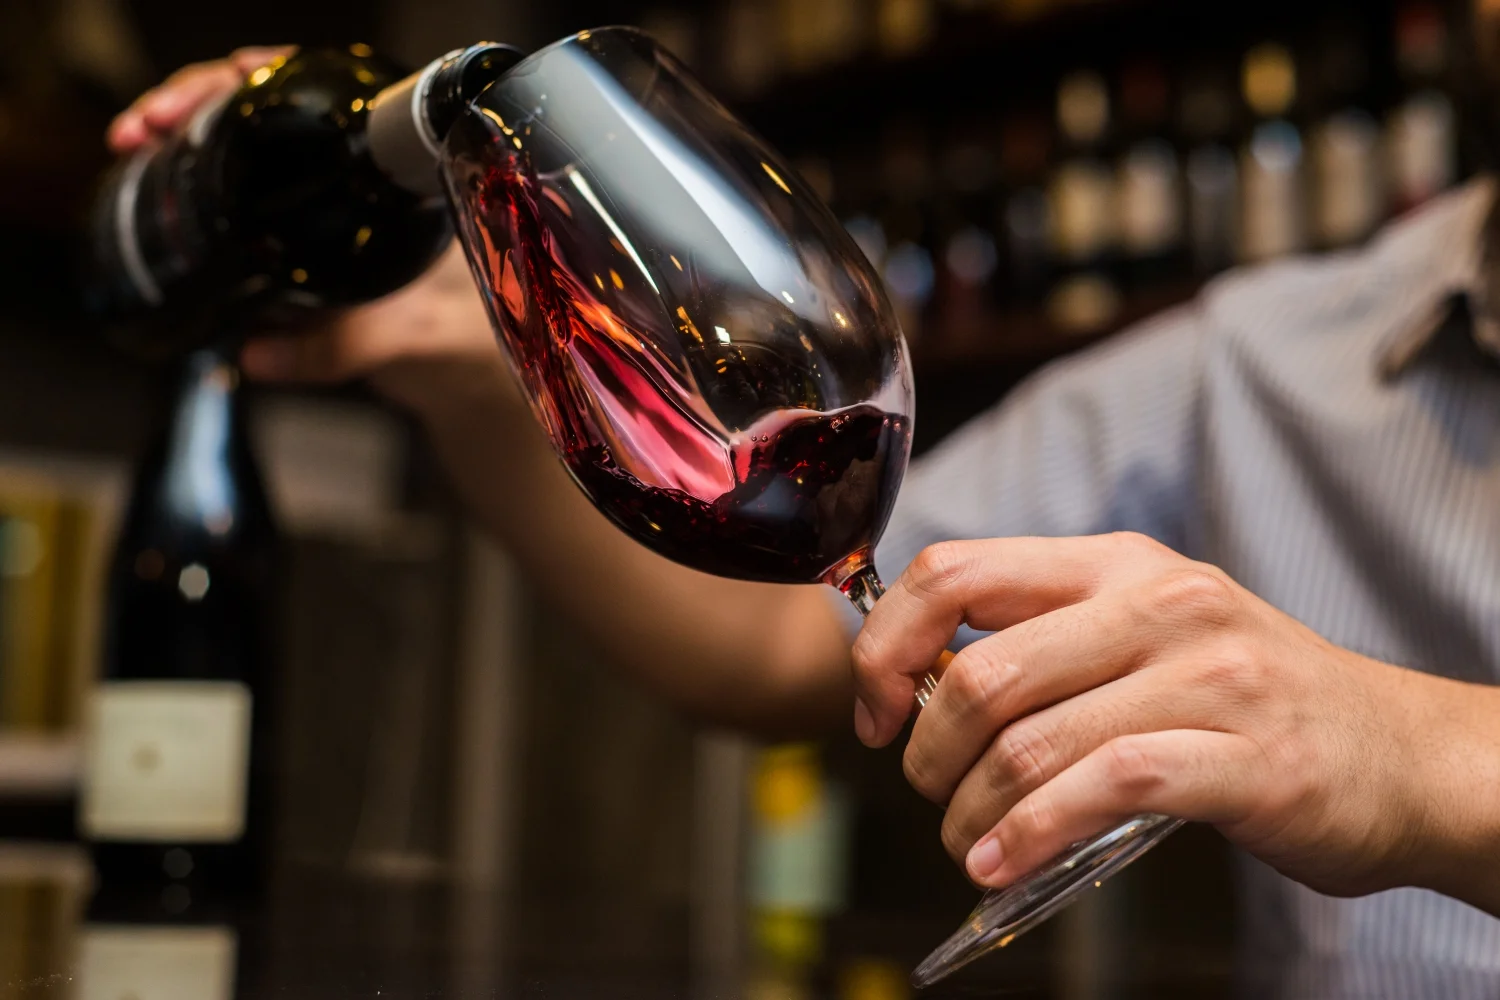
(166, 107)
(252, 57)
(1192, 774)
(1014, 673)
(989, 584)
(1207, 694)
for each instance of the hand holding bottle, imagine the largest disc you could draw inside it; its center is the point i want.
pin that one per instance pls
(427, 347)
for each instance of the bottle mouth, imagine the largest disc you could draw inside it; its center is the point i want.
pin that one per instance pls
(460, 77)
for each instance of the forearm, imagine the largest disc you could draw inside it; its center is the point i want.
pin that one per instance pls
(1457, 749)
(768, 658)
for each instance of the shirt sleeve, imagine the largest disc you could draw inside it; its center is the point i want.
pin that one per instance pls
(1105, 440)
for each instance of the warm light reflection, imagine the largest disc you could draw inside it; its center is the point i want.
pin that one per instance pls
(357, 105)
(582, 184)
(692, 328)
(361, 50)
(775, 177)
(260, 76)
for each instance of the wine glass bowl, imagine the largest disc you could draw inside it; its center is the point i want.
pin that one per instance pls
(710, 353)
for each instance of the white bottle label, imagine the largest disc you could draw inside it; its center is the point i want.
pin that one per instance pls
(157, 963)
(167, 760)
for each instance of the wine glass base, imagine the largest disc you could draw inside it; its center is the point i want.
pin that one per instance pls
(1005, 914)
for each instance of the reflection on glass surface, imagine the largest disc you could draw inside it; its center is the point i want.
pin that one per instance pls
(707, 348)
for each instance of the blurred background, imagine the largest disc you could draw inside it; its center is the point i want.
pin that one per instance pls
(1029, 176)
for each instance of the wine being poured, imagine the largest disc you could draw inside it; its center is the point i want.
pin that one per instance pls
(713, 358)
(786, 480)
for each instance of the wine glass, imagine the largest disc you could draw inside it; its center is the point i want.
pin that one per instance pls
(712, 357)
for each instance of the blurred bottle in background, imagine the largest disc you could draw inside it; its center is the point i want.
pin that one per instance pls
(1149, 183)
(968, 260)
(906, 176)
(1208, 122)
(1024, 219)
(1085, 296)
(1349, 197)
(798, 868)
(1273, 214)
(1421, 134)
(175, 803)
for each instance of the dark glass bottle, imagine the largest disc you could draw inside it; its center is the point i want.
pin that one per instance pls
(175, 802)
(312, 186)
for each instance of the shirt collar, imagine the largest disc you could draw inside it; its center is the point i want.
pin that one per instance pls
(1456, 248)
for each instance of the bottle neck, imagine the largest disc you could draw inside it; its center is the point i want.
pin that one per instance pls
(199, 486)
(410, 119)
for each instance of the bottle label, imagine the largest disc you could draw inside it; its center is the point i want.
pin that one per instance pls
(167, 760)
(157, 963)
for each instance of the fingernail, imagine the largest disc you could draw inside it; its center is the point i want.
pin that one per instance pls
(984, 858)
(268, 359)
(864, 722)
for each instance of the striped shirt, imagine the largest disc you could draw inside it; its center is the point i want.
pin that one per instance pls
(1266, 428)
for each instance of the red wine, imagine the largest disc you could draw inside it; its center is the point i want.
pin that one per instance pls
(795, 493)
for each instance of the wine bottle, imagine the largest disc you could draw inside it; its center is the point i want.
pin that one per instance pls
(175, 796)
(1022, 216)
(1082, 198)
(1207, 116)
(314, 185)
(1149, 182)
(1348, 192)
(1272, 223)
(1422, 130)
(970, 257)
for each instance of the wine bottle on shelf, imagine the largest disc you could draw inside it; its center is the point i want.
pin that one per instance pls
(315, 185)
(1421, 132)
(968, 259)
(175, 802)
(1207, 113)
(1085, 297)
(1348, 195)
(1149, 183)
(1022, 216)
(1273, 214)
(909, 271)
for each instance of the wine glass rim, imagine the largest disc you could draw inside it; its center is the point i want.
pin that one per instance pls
(582, 35)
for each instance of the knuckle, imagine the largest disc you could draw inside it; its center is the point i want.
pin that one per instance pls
(916, 765)
(1197, 592)
(1130, 767)
(1133, 543)
(956, 839)
(1021, 759)
(937, 566)
(1235, 668)
(1032, 818)
(865, 656)
(979, 679)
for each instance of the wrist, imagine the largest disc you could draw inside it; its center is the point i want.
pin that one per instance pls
(1455, 741)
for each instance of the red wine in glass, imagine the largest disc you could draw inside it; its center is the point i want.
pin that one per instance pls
(712, 357)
